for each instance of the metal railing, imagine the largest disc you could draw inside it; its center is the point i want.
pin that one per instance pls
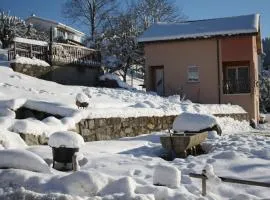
(204, 178)
(236, 86)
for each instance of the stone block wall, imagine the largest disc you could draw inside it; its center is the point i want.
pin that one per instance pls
(113, 128)
(64, 74)
(236, 116)
(35, 71)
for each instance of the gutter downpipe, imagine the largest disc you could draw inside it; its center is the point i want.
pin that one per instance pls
(218, 64)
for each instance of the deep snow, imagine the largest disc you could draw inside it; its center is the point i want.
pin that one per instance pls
(125, 168)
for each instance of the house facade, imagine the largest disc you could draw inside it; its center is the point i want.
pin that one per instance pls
(59, 29)
(210, 61)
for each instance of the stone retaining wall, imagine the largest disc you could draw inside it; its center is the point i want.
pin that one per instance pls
(113, 128)
(64, 74)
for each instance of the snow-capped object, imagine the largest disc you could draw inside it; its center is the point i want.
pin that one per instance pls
(202, 28)
(22, 159)
(82, 98)
(211, 176)
(66, 139)
(193, 122)
(116, 78)
(167, 175)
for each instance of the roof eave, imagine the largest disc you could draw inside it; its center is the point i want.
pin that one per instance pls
(196, 37)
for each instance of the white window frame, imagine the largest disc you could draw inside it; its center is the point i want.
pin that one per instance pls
(193, 80)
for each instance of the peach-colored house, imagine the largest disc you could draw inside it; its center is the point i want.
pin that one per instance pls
(210, 61)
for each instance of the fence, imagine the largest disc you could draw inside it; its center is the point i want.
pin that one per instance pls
(228, 180)
(70, 54)
(28, 49)
(55, 53)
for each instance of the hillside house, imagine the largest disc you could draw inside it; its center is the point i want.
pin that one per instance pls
(210, 61)
(60, 30)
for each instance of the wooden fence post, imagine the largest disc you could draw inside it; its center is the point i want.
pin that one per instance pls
(204, 178)
(14, 50)
(74, 162)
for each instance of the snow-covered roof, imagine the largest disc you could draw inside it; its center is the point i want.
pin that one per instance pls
(245, 24)
(56, 24)
(30, 41)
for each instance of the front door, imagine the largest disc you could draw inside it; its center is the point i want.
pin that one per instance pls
(159, 81)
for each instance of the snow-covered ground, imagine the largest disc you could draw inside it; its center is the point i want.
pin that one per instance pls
(17, 90)
(125, 168)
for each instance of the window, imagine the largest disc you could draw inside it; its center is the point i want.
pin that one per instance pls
(236, 79)
(193, 73)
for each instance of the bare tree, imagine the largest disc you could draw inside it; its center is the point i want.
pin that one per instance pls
(119, 47)
(92, 13)
(152, 11)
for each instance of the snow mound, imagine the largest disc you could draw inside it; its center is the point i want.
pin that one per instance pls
(30, 61)
(230, 155)
(116, 78)
(81, 97)
(145, 104)
(125, 185)
(166, 175)
(11, 140)
(84, 183)
(22, 159)
(67, 139)
(193, 122)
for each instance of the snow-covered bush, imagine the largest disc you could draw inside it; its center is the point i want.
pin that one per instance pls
(12, 26)
(265, 91)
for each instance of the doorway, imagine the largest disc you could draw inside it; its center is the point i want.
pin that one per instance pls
(158, 78)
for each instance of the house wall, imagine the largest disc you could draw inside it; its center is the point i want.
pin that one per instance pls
(242, 48)
(46, 25)
(176, 57)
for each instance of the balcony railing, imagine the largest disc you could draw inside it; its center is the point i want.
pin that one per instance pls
(70, 54)
(55, 53)
(236, 86)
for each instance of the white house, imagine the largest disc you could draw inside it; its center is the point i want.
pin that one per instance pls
(59, 29)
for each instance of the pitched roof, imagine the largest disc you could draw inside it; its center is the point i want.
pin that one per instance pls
(55, 23)
(245, 24)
